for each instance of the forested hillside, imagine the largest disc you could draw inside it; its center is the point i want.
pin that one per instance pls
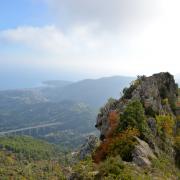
(64, 122)
(28, 158)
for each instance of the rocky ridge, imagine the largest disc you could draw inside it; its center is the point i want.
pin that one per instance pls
(153, 92)
(157, 94)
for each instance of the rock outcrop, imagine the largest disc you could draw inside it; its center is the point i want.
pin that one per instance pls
(157, 93)
(88, 147)
(142, 154)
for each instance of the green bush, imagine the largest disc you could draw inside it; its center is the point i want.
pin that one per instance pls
(84, 170)
(164, 165)
(123, 144)
(165, 124)
(113, 168)
(133, 117)
(165, 101)
(150, 112)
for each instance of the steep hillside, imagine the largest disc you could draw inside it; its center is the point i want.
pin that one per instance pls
(140, 134)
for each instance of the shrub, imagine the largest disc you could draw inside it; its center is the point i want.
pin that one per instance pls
(83, 170)
(102, 150)
(120, 138)
(165, 101)
(164, 166)
(112, 166)
(123, 144)
(165, 124)
(134, 117)
(113, 120)
(150, 112)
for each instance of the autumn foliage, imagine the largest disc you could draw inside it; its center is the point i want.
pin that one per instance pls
(123, 144)
(113, 123)
(102, 151)
(116, 143)
(165, 125)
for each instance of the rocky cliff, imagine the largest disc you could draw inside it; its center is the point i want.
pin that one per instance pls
(139, 133)
(157, 93)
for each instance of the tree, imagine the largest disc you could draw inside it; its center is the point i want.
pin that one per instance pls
(133, 117)
(165, 124)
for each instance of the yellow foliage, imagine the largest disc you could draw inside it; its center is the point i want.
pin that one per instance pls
(10, 160)
(165, 124)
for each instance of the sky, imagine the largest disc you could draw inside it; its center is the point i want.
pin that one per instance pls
(76, 39)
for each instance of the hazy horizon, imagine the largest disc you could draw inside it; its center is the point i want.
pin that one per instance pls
(37, 79)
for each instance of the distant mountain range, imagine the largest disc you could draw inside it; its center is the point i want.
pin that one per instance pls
(74, 104)
(93, 92)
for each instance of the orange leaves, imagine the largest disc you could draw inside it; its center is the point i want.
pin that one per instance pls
(116, 143)
(102, 150)
(113, 118)
(113, 123)
(121, 144)
(124, 143)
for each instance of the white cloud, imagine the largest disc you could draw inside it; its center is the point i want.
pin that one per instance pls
(47, 38)
(144, 48)
(109, 14)
(53, 39)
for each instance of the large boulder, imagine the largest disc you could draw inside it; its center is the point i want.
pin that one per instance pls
(142, 154)
(88, 147)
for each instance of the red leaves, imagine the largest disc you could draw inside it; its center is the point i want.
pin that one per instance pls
(102, 150)
(113, 123)
(113, 139)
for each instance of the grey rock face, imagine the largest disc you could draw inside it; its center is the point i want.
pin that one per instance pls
(151, 90)
(88, 147)
(142, 154)
(152, 125)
